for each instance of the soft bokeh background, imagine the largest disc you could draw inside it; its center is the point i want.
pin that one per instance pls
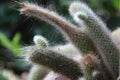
(17, 31)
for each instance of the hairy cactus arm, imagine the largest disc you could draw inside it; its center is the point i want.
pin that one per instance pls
(70, 31)
(101, 36)
(38, 72)
(54, 61)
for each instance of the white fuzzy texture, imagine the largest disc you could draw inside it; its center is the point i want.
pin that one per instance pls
(78, 6)
(77, 19)
(82, 78)
(68, 50)
(55, 76)
(116, 35)
(78, 58)
(40, 39)
(118, 78)
(28, 50)
(95, 73)
(38, 72)
(81, 8)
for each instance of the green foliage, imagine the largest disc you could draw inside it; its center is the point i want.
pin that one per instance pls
(13, 45)
(116, 4)
(8, 15)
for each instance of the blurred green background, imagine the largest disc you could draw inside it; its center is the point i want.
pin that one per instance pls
(17, 31)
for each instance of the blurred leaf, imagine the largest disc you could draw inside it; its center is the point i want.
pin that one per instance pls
(5, 41)
(116, 4)
(13, 45)
(16, 38)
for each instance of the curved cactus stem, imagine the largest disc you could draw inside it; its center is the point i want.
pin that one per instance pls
(92, 36)
(105, 44)
(101, 36)
(54, 61)
(70, 31)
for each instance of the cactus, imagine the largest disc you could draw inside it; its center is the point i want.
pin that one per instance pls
(37, 73)
(95, 54)
(55, 76)
(101, 36)
(71, 32)
(54, 61)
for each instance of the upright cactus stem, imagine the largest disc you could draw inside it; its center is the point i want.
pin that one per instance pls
(38, 72)
(104, 43)
(99, 33)
(40, 41)
(54, 61)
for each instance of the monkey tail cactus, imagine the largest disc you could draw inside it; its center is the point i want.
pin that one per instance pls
(101, 36)
(71, 32)
(92, 36)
